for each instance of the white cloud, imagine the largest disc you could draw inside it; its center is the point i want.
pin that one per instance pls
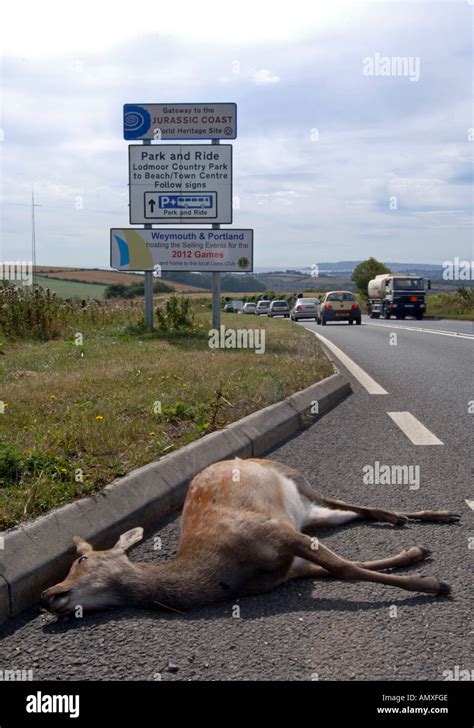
(264, 76)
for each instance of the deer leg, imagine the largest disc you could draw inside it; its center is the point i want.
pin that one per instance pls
(378, 514)
(340, 568)
(362, 512)
(433, 516)
(371, 514)
(303, 569)
(330, 504)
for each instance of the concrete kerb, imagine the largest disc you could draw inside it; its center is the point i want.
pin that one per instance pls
(4, 600)
(37, 554)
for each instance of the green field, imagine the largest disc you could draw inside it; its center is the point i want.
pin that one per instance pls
(71, 289)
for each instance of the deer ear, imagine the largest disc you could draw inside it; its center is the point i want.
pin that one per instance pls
(82, 547)
(129, 538)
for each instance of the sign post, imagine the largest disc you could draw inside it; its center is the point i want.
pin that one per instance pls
(180, 183)
(216, 284)
(173, 122)
(148, 284)
(182, 249)
(185, 184)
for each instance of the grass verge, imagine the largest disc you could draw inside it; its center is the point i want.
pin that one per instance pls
(77, 415)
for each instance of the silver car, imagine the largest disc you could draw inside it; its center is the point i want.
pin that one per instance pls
(279, 308)
(249, 307)
(262, 308)
(305, 308)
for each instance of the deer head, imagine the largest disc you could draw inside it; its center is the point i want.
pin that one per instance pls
(96, 580)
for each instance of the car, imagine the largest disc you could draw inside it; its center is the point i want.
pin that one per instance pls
(234, 307)
(279, 308)
(305, 308)
(262, 307)
(249, 307)
(339, 306)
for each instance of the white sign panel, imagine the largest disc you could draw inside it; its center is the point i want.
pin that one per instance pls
(178, 249)
(189, 183)
(175, 122)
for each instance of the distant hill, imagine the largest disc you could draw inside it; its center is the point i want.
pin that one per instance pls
(347, 266)
(331, 276)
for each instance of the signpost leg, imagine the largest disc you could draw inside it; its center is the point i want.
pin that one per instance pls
(216, 300)
(149, 299)
(216, 285)
(148, 282)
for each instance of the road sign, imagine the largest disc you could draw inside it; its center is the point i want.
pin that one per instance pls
(173, 183)
(176, 122)
(178, 249)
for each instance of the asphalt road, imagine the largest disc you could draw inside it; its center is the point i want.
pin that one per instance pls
(328, 629)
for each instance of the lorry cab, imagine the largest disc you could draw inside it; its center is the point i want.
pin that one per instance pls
(397, 295)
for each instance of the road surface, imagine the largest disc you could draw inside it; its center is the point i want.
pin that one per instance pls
(326, 630)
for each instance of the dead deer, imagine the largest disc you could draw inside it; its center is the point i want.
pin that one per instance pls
(242, 533)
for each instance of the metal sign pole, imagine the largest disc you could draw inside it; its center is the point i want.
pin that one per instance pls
(148, 283)
(216, 284)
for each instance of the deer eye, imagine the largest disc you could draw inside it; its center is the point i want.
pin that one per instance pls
(83, 558)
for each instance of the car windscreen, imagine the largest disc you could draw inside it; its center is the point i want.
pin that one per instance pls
(340, 297)
(408, 284)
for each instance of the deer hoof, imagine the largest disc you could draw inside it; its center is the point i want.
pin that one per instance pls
(452, 517)
(444, 589)
(401, 521)
(423, 551)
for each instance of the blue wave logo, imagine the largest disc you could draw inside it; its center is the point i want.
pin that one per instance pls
(123, 251)
(136, 121)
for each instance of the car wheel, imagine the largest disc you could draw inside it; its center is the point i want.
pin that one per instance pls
(351, 321)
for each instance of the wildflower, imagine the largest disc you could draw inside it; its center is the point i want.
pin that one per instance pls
(99, 417)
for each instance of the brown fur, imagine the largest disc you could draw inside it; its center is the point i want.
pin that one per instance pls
(238, 537)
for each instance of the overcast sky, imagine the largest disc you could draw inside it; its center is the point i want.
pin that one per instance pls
(324, 152)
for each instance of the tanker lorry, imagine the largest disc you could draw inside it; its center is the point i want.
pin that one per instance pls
(397, 295)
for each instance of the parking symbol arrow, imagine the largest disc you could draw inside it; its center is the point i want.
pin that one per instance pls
(152, 204)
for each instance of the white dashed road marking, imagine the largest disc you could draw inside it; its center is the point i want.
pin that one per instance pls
(470, 503)
(424, 331)
(414, 429)
(362, 377)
